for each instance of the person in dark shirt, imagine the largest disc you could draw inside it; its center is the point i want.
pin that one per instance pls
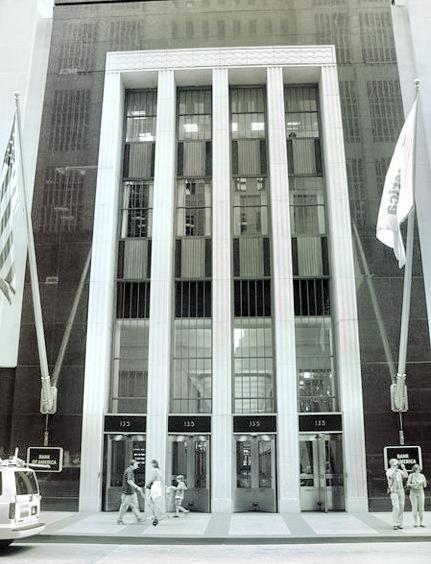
(129, 494)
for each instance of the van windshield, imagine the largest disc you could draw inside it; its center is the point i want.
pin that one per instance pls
(26, 483)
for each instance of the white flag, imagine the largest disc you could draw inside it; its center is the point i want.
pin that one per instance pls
(8, 198)
(397, 196)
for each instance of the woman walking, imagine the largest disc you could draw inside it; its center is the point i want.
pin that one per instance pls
(155, 488)
(416, 483)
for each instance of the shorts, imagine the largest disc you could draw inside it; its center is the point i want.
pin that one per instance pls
(179, 501)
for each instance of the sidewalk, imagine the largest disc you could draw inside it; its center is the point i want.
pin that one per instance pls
(237, 528)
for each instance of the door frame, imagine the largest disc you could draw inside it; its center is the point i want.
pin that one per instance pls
(316, 438)
(255, 437)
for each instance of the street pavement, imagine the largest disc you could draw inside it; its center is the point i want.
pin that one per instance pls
(358, 553)
(213, 528)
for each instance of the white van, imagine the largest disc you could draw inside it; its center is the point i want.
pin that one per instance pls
(19, 502)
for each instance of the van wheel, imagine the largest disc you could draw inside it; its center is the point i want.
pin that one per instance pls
(5, 543)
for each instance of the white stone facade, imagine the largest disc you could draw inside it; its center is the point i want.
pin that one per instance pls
(273, 66)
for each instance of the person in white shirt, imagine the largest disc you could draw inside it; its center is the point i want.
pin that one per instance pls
(395, 475)
(416, 483)
(155, 488)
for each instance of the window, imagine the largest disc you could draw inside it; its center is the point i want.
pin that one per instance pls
(252, 298)
(311, 296)
(302, 130)
(70, 120)
(139, 149)
(253, 366)
(136, 211)
(377, 37)
(307, 206)
(193, 299)
(193, 208)
(130, 381)
(315, 365)
(194, 133)
(250, 206)
(384, 97)
(133, 300)
(25, 483)
(192, 366)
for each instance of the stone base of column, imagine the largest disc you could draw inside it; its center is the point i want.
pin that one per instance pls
(89, 504)
(356, 504)
(221, 505)
(289, 505)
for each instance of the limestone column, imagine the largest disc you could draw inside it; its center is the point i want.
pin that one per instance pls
(101, 299)
(343, 294)
(222, 458)
(161, 294)
(282, 285)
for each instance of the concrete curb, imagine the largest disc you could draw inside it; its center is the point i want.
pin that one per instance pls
(208, 540)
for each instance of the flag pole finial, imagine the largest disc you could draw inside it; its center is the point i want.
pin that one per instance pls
(417, 84)
(16, 96)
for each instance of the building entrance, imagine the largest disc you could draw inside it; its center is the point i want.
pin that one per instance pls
(321, 472)
(189, 455)
(119, 451)
(255, 477)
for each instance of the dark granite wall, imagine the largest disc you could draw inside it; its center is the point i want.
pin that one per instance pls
(66, 183)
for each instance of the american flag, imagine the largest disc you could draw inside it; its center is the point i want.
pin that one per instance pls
(8, 198)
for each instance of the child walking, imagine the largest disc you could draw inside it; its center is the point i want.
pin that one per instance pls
(180, 488)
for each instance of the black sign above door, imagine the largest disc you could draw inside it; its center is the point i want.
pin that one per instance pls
(320, 423)
(254, 424)
(125, 424)
(407, 455)
(189, 424)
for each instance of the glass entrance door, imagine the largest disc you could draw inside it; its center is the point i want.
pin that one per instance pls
(255, 476)
(321, 472)
(190, 457)
(119, 451)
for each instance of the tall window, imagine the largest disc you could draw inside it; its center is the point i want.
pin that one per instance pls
(130, 365)
(191, 377)
(314, 349)
(253, 387)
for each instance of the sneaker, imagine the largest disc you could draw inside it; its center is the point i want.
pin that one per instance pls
(155, 522)
(175, 516)
(395, 528)
(422, 525)
(399, 527)
(120, 522)
(415, 525)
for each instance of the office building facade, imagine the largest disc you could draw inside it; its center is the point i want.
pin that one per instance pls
(221, 163)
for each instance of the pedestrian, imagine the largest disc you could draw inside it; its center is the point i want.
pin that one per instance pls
(395, 475)
(416, 484)
(180, 488)
(129, 493)
(155, 488)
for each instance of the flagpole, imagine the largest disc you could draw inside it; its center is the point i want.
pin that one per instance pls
(375, 303)
(48, 393)
(407, 288)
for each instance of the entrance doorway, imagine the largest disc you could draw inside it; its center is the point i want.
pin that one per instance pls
(189, 455)
(119, 451)
(255, 475)
(321, 472)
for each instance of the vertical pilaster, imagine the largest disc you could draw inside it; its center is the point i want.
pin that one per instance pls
(101, 295)
(221, 308)
(282, 284)
(343, 295)
(159, 353)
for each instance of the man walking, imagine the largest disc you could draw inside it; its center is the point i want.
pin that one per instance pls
(395, 475)
(129, 495)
